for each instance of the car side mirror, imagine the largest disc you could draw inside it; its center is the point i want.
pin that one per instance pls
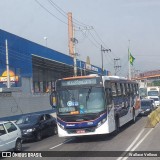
(53, 99)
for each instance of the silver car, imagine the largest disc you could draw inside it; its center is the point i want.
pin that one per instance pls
(10, 136)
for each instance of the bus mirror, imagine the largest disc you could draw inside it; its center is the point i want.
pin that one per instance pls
(53, 100)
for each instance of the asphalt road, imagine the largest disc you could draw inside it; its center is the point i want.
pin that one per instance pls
(132, 137)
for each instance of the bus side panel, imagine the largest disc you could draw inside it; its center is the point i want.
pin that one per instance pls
(111, 121)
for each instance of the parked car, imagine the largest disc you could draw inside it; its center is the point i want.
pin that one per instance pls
(10, 136)
(146, 106)
(36, 126)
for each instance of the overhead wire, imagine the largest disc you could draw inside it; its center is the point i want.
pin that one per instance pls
(49, 12)
(60, 10)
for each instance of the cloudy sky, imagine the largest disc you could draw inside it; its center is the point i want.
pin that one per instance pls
(111, 23)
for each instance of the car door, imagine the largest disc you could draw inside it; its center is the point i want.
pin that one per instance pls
(13, 133)
(50, 123)
(4, 139)
(42, 125)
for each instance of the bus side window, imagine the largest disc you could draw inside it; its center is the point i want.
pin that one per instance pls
(108, 95)
(126, 88)
(114, 89)
(137, 89)
(119, 89)
(129, 89)
(123, 89)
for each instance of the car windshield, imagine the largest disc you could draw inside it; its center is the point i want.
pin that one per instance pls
(152, 93)
(143, 92)
(145, 104)
(81, 101)
(31, 119)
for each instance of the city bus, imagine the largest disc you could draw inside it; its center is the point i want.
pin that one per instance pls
(90, 105)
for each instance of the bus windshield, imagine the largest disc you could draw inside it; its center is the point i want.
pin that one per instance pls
(80, 101)
(152, 93)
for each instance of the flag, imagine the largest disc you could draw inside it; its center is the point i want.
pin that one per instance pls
(131, 58)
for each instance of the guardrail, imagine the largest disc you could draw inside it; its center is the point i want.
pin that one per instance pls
(153, 118)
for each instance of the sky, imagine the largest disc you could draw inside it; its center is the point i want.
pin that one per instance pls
(114, 24)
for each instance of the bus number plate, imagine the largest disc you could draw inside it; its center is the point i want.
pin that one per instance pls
(80, 131)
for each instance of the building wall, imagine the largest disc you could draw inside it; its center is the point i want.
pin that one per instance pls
(20, 59)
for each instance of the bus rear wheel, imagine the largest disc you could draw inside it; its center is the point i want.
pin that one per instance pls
(117, 125)
(133, 116)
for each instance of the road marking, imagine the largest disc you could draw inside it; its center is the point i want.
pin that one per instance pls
(136, 146)
(62, 143)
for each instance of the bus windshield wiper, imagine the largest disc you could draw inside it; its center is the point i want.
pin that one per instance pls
(89, 91)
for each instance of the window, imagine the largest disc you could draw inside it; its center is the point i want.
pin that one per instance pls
(114, 90)
(48, 117)
(2, 130)
(123, 89)
(119, 89)
(127, 88)
(109, 96)
(134, 88)
(42, 118)
(10, 127)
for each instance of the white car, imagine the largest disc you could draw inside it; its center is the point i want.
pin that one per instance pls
(10, 136)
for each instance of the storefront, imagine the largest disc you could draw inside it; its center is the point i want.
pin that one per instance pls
(34, 68)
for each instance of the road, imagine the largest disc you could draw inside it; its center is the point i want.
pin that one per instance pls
(132, 137)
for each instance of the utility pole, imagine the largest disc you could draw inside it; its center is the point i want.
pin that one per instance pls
(72, 42)
(7, 65)
(103, 50)
(117, 67)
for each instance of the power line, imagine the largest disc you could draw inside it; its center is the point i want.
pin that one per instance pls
(49, 12)
(90, 40)
(60, 10)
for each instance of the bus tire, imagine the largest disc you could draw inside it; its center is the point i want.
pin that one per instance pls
(133, 116)
(117, 125)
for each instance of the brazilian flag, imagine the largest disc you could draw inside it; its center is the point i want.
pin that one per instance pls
(131, 58)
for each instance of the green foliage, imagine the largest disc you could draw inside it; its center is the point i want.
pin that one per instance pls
(156, 83)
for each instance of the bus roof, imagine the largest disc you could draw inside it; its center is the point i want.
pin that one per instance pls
(79, 77)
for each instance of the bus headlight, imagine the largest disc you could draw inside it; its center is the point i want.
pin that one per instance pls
(101, 122)
(62, 126)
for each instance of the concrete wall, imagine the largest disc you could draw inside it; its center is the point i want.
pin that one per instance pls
(20, 103)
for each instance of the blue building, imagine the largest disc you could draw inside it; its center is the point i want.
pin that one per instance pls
(33, 67)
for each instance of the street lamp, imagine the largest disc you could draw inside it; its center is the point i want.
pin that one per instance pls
(103, 50)
(45, 38)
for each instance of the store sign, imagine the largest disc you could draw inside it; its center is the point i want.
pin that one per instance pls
(92, 68)
(12, 76)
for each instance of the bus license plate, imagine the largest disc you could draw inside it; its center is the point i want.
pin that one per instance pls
(80, 131)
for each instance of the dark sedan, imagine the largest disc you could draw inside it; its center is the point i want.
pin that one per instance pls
(146, 106)
(36, 126)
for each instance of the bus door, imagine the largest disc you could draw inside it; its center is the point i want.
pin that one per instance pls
(108, 93)
(110, 105)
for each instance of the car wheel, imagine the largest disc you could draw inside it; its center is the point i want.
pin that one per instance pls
(38, 136)
(18, 146)
(55, 130)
